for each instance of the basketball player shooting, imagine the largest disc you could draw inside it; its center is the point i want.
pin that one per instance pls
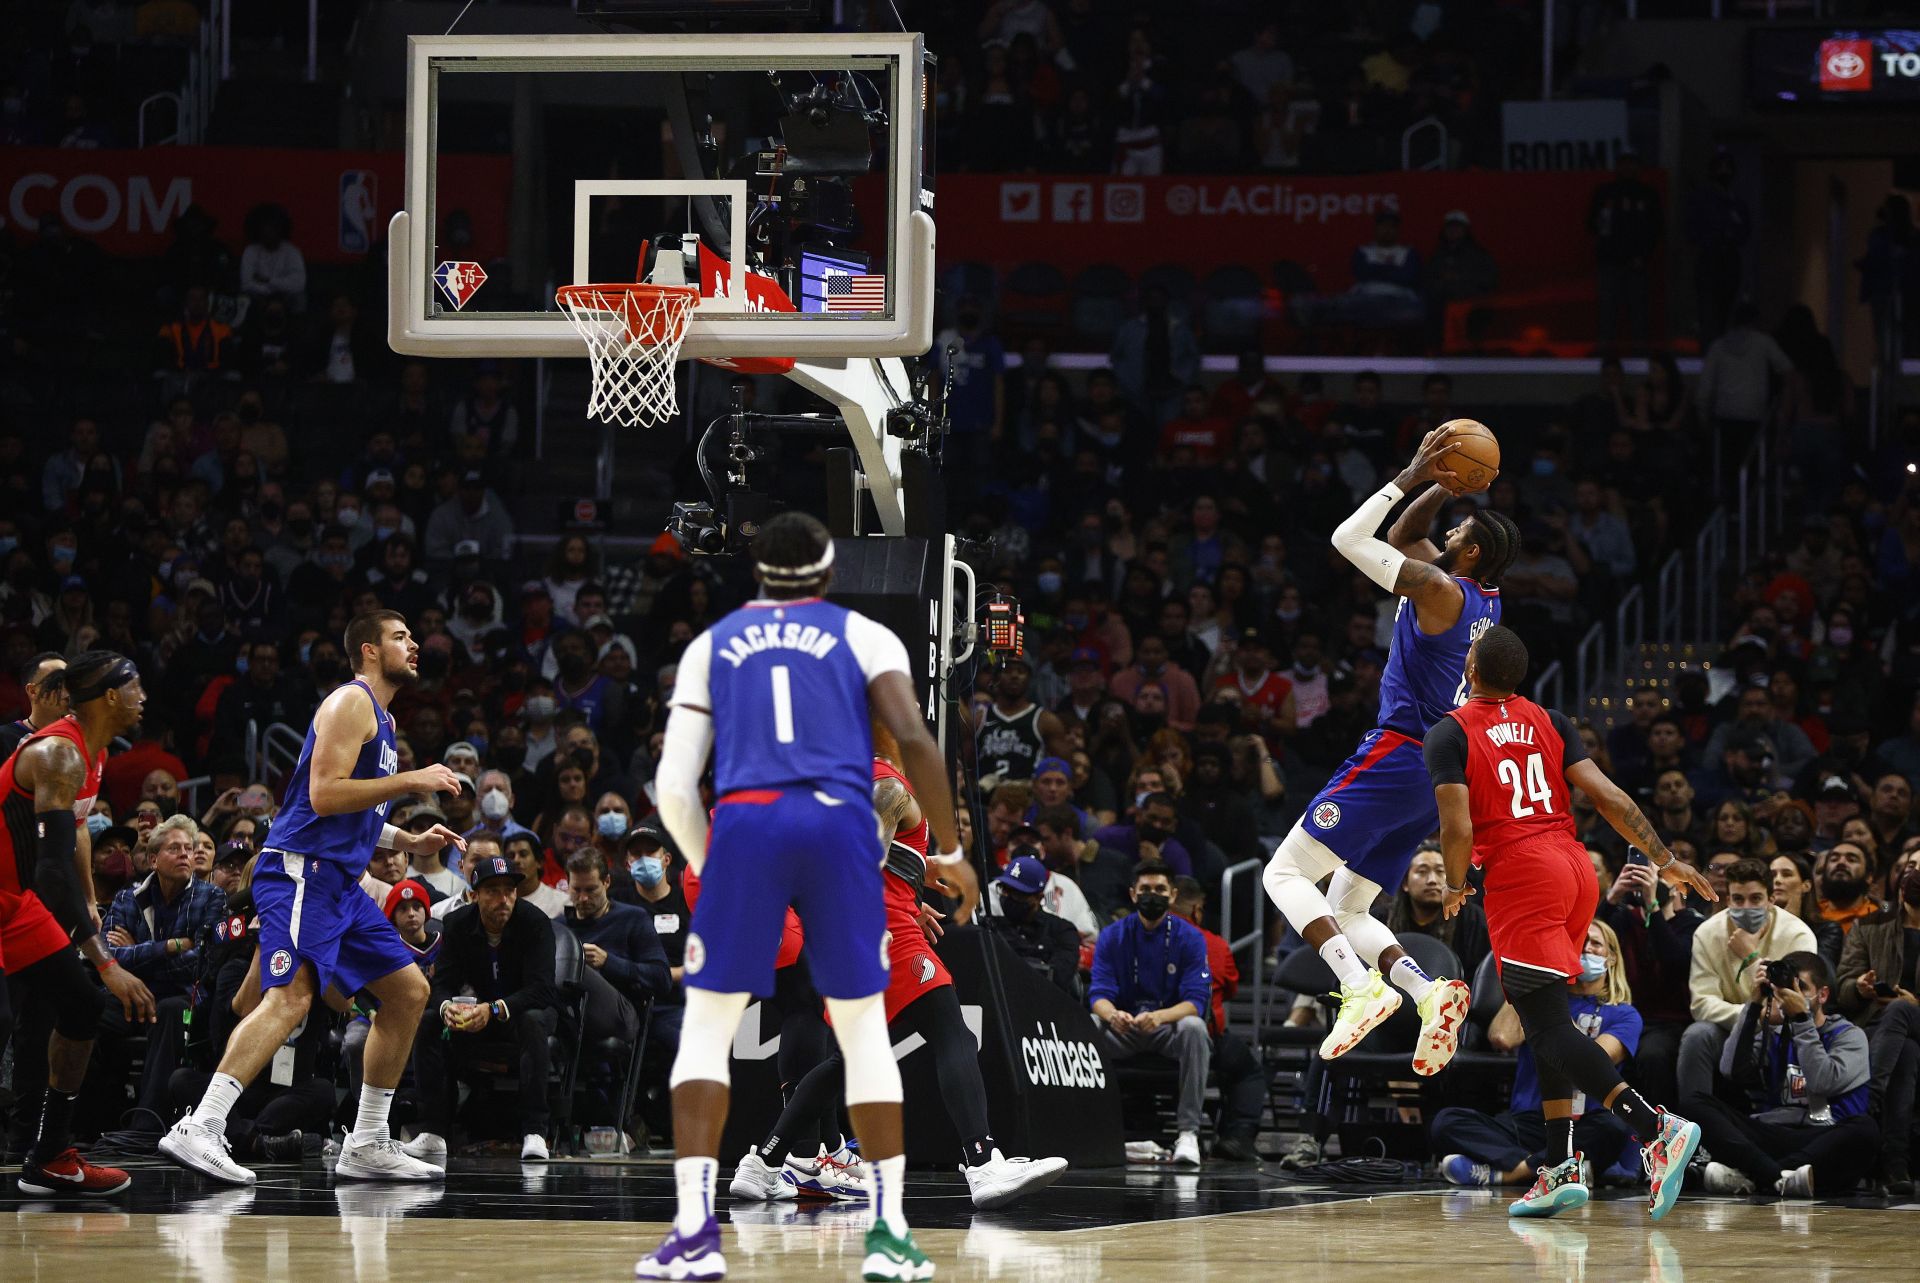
(318, 928)
(47, 922)
(1365, 825)
(781, 691)
(1501, 768)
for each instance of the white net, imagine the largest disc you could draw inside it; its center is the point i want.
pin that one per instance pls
(633, 335)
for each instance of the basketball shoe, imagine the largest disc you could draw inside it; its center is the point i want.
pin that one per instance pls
(67, 1175)
(1362, 1007)
(1443, 1014)
(754, 1180)
(1666, 1157)
(840, 1174)
(695, 1256)
(381, 1160)
(204, 1149)
(1555, 1189)
(894, 1258)
(1000, 1180)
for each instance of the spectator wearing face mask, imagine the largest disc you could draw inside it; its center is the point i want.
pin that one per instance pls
(1723, 981)
(1062, 896)
(612, 818)
(1044, 941)
(1151, 665)
(627, 966)
(495, 808)
(1150, 836)
(652, 883)
(537, 711)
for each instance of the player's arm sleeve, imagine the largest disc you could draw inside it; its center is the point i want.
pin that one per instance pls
(56, 881)
(877, 647)
(1574, 751)
(683, 757)
(690, 682)
(1358, 538)
(1445, 749)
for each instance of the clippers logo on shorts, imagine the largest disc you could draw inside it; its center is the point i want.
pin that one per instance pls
(1326, 815)
(1846, 66)
(280, 963)
(696, 955)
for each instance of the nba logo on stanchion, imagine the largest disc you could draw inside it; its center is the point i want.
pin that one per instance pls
(1846, 66)
(359, 208)
(1326, 815)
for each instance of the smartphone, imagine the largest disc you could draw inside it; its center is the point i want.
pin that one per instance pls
(1636, 856)
(1884, 990)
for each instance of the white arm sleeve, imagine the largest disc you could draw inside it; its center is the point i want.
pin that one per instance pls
(389, 839)
(1358, 542)
(690, 677)
(682, 758)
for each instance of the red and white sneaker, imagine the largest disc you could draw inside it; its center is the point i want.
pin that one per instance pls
(1666, 1157)
(71, 1176)
(1443, 1014)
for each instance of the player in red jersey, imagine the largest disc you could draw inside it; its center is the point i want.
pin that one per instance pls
(46, 906)
(1503, 769)
(919, 999)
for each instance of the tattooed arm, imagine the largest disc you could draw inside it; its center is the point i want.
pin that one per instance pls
(895, 807)
(1630, 823)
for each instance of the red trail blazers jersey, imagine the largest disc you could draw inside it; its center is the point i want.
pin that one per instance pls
(1513, 757)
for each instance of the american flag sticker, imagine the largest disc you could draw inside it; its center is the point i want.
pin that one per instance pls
(856, 293)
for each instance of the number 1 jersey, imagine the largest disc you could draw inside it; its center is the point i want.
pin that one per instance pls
(1513, 757)
(786, 684)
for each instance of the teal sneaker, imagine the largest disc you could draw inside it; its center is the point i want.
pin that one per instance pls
(1554, 1190)
(1666, 1158)
(894, 1259)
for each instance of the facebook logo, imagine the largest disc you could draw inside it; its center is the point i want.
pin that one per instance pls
(1073, 202)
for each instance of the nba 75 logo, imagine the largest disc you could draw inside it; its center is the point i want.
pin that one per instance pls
(1846, 66)
(459, 281)
(1326, 815)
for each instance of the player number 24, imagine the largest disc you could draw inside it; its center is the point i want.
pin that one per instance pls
(1536, 789)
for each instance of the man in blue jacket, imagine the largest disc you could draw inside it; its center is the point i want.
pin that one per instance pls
(1150, 986)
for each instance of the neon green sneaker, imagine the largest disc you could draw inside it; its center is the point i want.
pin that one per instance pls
(894, 1259)
(1361, 1008)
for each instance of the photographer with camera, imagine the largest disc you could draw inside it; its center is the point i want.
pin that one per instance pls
(1722, 978)
(1806, 1072)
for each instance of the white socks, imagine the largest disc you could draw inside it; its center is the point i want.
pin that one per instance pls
(887, 1179)
(1407, 974)
(1347, 968)
(218, 1102)
(693, 1188)
(370, 1124)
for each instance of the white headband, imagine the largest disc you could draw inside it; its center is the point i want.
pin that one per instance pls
(796, 574)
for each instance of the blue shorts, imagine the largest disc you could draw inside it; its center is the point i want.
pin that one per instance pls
(313, 912)
(777, 847)
(1376, 809)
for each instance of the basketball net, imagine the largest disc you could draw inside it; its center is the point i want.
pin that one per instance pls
(633, 334)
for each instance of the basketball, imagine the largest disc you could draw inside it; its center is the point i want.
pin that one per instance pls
(1476, 456)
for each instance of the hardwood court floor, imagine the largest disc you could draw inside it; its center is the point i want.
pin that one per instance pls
(577, 1222)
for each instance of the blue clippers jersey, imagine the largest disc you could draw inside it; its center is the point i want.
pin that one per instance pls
(348, 838)
(1426, 673)
(786, 683)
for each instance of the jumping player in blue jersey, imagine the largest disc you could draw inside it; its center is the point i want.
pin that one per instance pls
(780, 690)
(1364, 826)
(318, 928)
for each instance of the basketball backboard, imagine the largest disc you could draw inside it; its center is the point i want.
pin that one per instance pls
(787, 174)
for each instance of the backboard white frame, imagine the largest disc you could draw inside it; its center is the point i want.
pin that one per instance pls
(416, 328)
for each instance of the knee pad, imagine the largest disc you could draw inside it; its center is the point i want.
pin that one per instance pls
(860, 1024)
(1291, 874)
(706, 1037)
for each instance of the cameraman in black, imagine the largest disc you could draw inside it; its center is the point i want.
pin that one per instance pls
(1808, 1074)
(1044, 942)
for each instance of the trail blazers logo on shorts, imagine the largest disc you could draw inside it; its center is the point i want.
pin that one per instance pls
(696, 955)
(923, 968)
(1326, 815)
(280, 963)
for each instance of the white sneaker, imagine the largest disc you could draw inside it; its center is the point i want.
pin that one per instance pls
(1797, 1183)
(1721, 1179)
(533, 1148)
(1362, 1008)
(1000, 1180)
(381, 1160)
(1443, 1014)
(840, 1174)
(204, 1150)
(755, 1181)
(1186, 1150)
(428, 1148)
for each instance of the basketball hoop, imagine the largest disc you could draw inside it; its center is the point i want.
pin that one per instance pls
(633, 334)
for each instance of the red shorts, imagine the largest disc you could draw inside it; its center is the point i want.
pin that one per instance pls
(913, 968)
(28, 932)
(1540, 899)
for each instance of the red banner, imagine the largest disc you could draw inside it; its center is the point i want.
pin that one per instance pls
(340, 201)
(1534, 224)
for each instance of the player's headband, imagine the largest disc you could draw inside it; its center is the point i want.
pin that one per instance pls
(121, 671)
(785, 575)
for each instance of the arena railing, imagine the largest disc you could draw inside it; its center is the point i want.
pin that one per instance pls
(1255, 934)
